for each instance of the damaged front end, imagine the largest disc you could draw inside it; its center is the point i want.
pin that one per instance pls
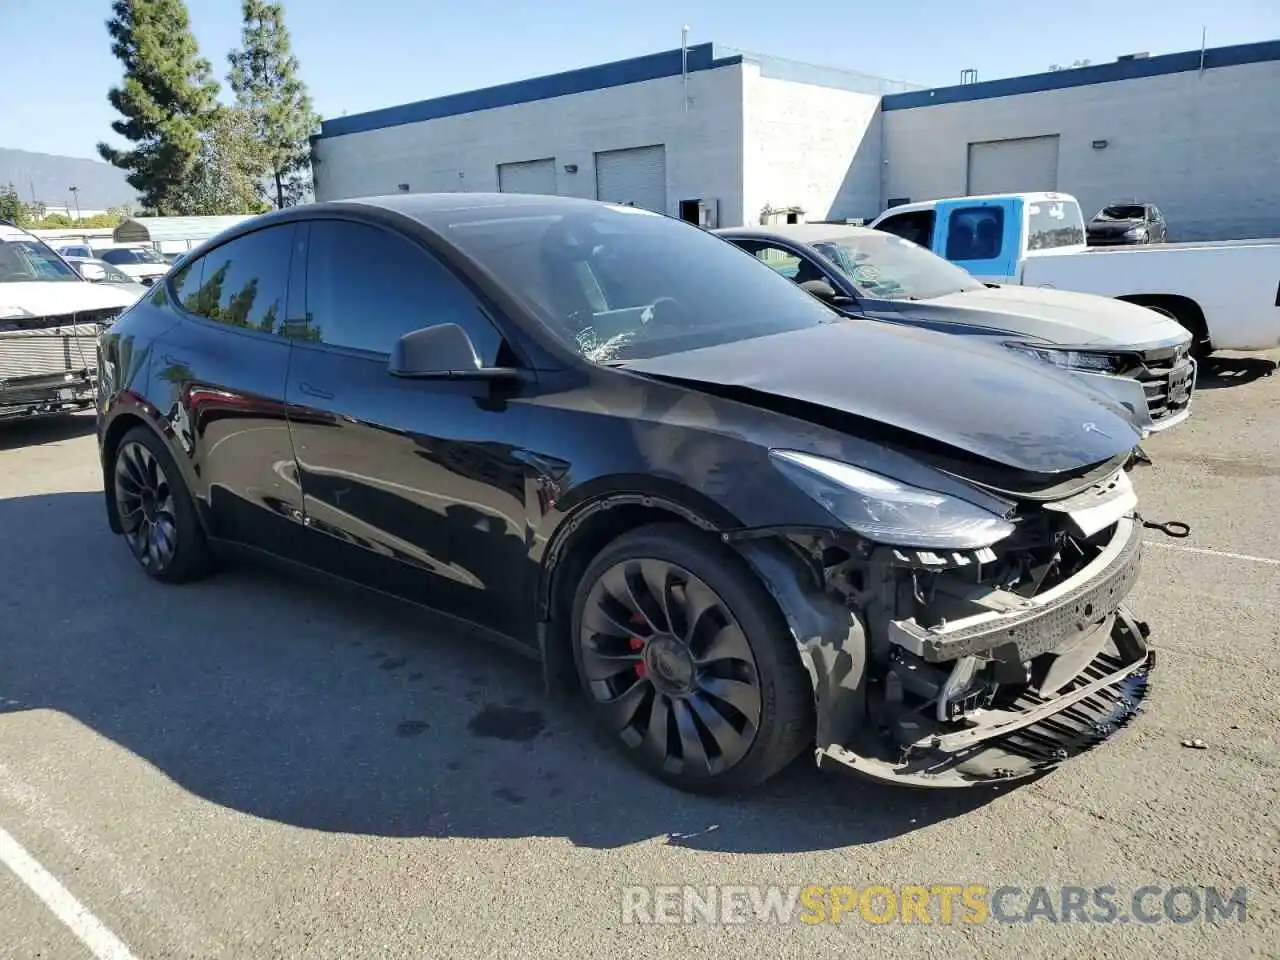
(957, 667)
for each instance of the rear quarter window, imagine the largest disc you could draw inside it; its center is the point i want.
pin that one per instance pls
(1054, 223)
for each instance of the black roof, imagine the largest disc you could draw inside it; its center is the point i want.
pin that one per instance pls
(438, 209)
(434, 211)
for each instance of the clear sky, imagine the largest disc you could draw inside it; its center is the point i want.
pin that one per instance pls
(362, 54)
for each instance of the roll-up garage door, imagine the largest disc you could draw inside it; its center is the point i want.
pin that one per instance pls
(1024, 165)
(637, 176)
(530, 176)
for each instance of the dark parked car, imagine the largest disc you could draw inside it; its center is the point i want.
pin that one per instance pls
(1140, 357)
(622, 445)
(1126, 223)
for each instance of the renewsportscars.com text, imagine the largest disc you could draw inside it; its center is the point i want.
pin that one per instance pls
(932, 904)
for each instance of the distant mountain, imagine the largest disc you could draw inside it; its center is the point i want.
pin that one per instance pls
(101, 185)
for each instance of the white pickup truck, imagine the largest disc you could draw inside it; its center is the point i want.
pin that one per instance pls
(1227, 293)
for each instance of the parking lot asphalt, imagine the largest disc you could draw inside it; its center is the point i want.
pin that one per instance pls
(255, 766)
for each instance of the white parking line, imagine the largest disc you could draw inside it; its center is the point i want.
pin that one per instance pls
(102, 943)
(1205, 551)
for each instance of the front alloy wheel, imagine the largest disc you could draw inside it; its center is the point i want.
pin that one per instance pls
(670, 664)
(685, 660)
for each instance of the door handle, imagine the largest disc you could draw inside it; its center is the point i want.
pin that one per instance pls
(312, 391)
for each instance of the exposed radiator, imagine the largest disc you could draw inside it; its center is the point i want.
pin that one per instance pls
(49, 351)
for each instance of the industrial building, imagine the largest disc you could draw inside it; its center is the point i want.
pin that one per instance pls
(724, 138)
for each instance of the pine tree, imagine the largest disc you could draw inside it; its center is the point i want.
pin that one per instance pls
(11, 206)
(167, 98)
(264, 76)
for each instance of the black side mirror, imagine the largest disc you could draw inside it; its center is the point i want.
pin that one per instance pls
(442, 352)
(820, 289)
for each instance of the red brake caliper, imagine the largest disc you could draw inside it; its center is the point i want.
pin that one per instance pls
(637, 643)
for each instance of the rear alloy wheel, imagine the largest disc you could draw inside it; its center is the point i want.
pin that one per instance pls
(155, 510)
(686, 660)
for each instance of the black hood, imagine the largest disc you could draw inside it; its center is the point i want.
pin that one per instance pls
(981, 399)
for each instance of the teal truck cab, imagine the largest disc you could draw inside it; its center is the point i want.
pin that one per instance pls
(993, 236)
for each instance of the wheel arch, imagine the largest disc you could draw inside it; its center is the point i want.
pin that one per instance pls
(114, 432)
(583, 532)
(830, 637)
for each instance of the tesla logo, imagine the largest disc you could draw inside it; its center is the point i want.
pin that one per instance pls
(1093, 428)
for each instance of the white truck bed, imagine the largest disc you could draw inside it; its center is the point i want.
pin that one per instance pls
(1235, 284)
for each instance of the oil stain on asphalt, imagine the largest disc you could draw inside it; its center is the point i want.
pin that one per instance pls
(507, 723)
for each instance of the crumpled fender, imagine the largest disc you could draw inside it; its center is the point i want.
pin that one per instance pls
(830, 639)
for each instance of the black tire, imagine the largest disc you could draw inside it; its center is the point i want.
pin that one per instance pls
(156, 510)
(691, 667)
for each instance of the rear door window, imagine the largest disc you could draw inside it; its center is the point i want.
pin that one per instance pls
(975, 233)
(242, 283)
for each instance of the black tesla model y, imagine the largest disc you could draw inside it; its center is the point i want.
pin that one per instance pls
(748, 526)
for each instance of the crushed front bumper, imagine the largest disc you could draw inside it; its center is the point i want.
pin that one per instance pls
(1084, 662)
(1036, 735)
(46, 396)
(1011, 687)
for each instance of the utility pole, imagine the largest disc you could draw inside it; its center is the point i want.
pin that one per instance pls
(684, 63)
(75, 192)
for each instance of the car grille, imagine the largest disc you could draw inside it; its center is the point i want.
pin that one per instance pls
(1167, 376)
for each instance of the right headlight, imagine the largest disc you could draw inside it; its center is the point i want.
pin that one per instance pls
(1086, 361)
(887, 511)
